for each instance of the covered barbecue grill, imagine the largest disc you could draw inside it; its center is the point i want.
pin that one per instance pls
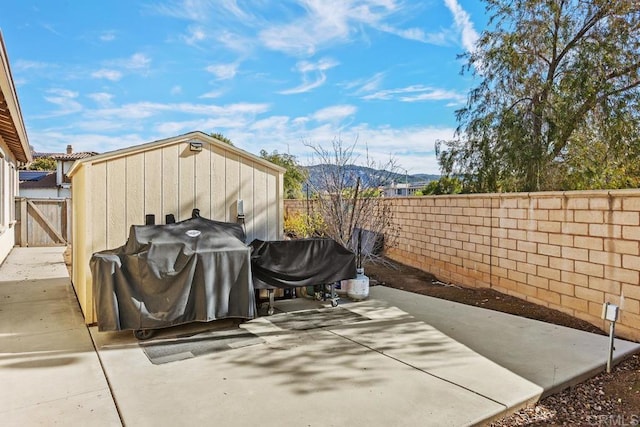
(202, 270)
(165, 275)
(298, 263)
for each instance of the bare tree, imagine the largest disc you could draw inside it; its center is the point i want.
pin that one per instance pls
(348, 195)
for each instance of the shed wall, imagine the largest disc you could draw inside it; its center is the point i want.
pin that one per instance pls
(171, 179)
(80, 211)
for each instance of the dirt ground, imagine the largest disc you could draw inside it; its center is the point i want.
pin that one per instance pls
(607, 399)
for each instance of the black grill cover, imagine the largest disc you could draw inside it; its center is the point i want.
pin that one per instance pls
(194, 270)
(304, 262)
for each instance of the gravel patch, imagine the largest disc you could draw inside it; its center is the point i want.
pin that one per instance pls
(605, 400)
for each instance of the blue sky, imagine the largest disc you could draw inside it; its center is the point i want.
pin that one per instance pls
(273, 75)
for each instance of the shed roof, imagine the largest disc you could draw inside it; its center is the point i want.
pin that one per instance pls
(197, 135)
(12, 128)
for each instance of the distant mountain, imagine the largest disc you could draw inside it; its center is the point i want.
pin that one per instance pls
(425, 177)
(368, 177)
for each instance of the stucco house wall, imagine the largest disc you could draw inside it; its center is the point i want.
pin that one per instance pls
(14, 152)
(46, 193)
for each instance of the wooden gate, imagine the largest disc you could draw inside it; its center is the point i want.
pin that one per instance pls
(43, 222)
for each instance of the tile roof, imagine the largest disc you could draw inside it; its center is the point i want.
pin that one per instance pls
(73, 156)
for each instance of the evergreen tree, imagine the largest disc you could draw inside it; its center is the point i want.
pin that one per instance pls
(557, 106)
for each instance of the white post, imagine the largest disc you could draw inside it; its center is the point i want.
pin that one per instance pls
(612, 329)
(610, 313)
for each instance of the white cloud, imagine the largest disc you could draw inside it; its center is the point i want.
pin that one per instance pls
(463, 24)
(105, 126)
(23, 65)
(324, 22)
(57, 140)
(248, 126)
(176, 90)
(407, 33)
(278, 124)
(313, 75)
(101, 98)
(51, 28)
(330, 22)
(334, 113)
(212, 94)
(223, 71)
(203, 11)
(175, 128)
(137, 61)
(207, 125)
(195, 34)
(291, 39)
(108, 36)
(306, 86)
(235, 41)
(135, 111)
(142, 110)
(365, 85)
(64, 100)
(414, 93)
(412, 147)
(440, 38)
(302, 27)
(322, 65)
(109, 74)
(192, 10)
(434, 94)
(63, 93)
(300, 120)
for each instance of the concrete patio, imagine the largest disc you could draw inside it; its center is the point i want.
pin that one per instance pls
(410, 360)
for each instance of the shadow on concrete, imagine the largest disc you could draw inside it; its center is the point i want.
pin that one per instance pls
(333, 358)
(50, 362)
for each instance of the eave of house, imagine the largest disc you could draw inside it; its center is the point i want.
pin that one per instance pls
(12, 129)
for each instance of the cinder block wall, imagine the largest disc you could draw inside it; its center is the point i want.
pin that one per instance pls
(292, 206)
(571, 251)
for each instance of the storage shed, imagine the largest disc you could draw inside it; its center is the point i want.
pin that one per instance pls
(114, 190)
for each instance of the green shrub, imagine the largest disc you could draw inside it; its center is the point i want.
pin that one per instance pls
(300, 226)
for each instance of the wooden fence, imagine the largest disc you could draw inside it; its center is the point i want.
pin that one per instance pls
(43, 222)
